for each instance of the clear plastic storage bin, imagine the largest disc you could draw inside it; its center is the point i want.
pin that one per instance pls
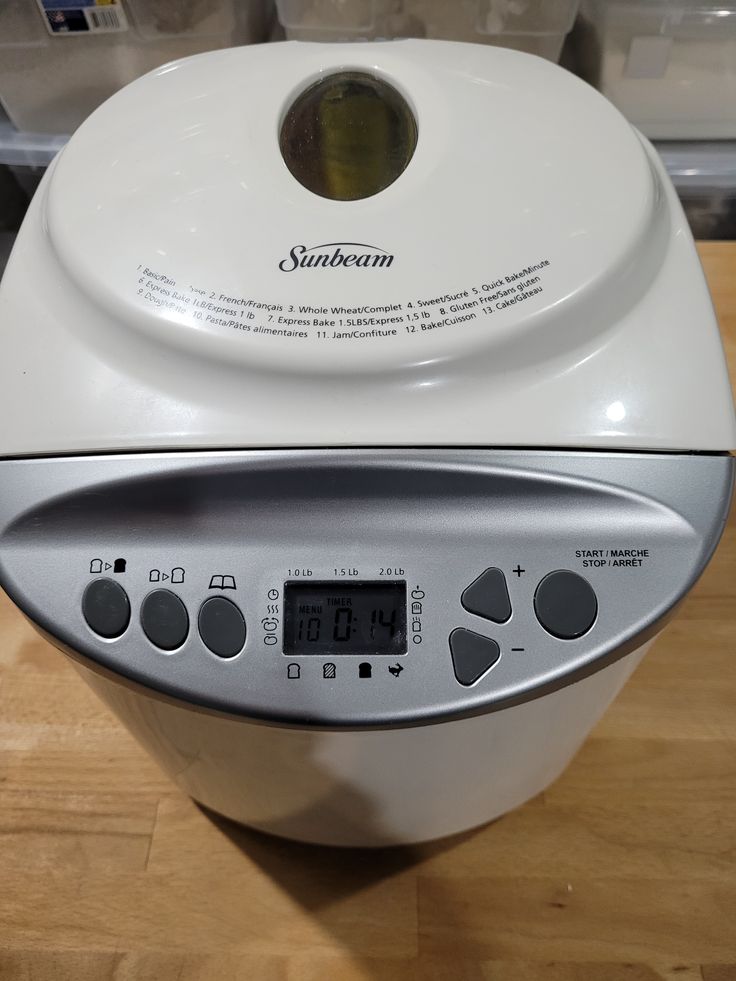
(669, 67)
(59, 59)
(537, 26)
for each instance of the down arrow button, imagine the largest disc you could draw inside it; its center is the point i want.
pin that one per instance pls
(472, 655)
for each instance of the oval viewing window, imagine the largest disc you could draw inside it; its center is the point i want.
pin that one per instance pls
(348, 136)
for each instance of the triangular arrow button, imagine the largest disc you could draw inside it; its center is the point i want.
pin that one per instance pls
(472, 655)
(108, 565)
(164, 576)
(488, 597)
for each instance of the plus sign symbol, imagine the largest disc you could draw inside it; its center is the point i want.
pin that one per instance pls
(518, 571)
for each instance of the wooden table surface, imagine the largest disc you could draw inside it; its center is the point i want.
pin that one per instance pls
(623, 869)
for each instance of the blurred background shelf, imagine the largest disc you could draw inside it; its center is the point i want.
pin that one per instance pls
(19, 149)
(668, 65)
(704, 173)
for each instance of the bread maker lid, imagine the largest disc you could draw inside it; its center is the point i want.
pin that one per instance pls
(526, 207)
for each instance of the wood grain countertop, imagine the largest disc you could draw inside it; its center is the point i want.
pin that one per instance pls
(624, 869)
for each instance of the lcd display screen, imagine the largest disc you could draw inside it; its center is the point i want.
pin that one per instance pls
(345, 618)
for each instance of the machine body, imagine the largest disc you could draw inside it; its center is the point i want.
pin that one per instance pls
(365, 432)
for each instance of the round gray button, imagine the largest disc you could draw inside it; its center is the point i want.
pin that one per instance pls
(222, 626)
(106, 608)
(164, 619)
(565, 604)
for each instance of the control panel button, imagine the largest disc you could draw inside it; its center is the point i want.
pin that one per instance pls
(488, 597)
(164, 619)
(222, 626)
(105, 607)
(472, 655)
(565, 604)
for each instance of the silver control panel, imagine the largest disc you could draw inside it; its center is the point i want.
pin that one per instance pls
(356, 588)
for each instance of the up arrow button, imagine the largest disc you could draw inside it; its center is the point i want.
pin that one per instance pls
(488, 597)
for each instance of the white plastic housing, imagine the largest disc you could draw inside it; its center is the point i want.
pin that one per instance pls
(543, 287)
(370, 788)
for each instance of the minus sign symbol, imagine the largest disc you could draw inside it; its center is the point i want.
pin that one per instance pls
(517, 648)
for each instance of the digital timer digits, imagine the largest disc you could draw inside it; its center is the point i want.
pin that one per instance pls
(345, 618)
